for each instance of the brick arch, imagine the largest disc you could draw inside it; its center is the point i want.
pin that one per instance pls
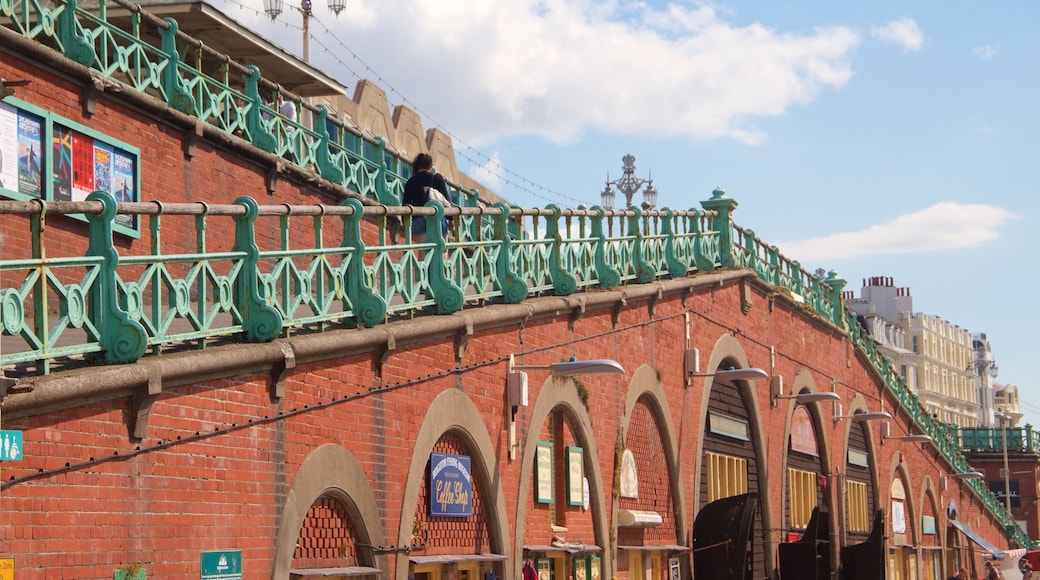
(452, 411)
(804, 381)
(728, 349)
(859, 403)
(329, 470)
(561, 394)
(929, 497)
(898, 470)
(645, 385)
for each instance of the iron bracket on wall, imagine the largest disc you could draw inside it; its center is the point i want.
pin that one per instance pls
(141, 404)
(192, 138)
(280, 370)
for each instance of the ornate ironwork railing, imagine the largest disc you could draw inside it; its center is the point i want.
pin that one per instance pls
(117, 308)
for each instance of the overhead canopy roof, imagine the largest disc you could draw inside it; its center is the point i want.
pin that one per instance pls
(994, 551)
(220, 33)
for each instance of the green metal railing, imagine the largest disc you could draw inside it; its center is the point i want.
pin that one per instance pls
(992, 440)
(116, 308)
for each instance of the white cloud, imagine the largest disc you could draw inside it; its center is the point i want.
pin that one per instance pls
(903, 32)
(560, 70)
(984, 52)
(490, 173)
(941, 227)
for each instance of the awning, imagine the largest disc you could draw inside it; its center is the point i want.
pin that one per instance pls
(343, 571)
(994, 551)
(452, 558)
(1012, 555)
(568, 548)
(659, 548)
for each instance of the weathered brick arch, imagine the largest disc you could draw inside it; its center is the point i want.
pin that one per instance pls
(803, 380)
(728, 348)
(452, 411)
(329, 470)
(859, 403)
(561, 394)
(898, 470)
(645, 384)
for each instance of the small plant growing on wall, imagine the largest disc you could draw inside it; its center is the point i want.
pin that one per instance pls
(131, 572)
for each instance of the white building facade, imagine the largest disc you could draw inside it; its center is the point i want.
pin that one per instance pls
(950, 370)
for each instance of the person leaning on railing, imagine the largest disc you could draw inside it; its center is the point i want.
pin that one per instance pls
(422, 186)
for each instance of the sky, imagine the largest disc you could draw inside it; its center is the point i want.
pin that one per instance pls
(883, 138)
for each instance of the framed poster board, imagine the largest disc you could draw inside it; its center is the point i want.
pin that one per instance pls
(543, 472)
(45, 156)
(575, 476)
(581, 569)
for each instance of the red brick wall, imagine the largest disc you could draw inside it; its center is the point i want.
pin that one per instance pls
(220, 457)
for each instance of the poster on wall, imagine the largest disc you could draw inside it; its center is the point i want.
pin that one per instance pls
(82, 166)
(543, 469)
(102, 167)
(62, 151)
(30, 145)
(575, 475)
(8, 147)
(898, 517)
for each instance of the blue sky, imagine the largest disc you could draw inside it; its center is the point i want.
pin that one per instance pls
(878, 138)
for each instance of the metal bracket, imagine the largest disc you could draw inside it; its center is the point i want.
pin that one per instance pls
(462, 339)
(280, 370)
(271, 178)
(191, 139)
(619, 307)
(141, 404)
(9, 387)
(576, 314)
(652, 303)
(89, 97)
(391, 345)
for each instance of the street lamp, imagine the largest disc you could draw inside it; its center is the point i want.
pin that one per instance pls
(274, 7)
(1007, 472)
(516, 384)
(629, 184)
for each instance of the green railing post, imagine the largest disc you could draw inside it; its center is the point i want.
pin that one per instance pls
(74, 45)
(702, 258)
(122, 339)
(448, 297)
(514, 289)
(564, 282)
(260, 136)
(176, 96)
(261, 322)
(607, 274)
(722, 224)
(837, 286)
(1029, 438)
(326, 168)
(383, 193)
(369, 308)
(645, 272)
(676, 267)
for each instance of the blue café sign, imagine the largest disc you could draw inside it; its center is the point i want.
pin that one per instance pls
(451, 486)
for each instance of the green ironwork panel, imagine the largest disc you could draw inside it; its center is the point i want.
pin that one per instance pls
(33, 19)
(122, 56)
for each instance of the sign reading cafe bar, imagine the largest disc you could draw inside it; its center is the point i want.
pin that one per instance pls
(451, 486)
(78, 162)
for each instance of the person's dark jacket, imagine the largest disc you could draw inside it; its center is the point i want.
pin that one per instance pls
(415, 189)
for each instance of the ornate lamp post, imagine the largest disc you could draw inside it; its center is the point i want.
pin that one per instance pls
(274, 7)
(629, 184)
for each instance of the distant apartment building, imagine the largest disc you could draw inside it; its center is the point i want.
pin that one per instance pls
(950, 370)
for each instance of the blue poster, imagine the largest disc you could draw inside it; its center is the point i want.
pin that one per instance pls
(451, 486)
